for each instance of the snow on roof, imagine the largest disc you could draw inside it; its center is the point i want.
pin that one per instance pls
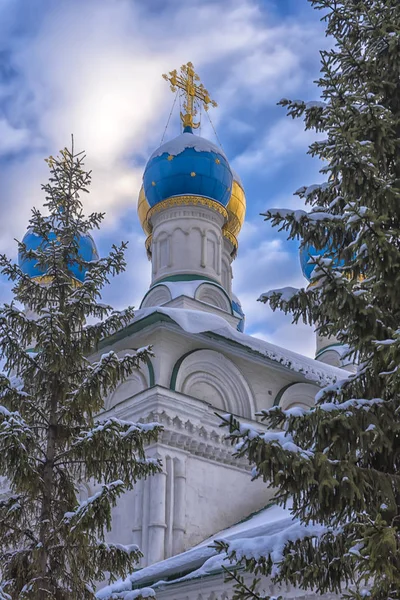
(270, 523)
(187, 140)
(195, 321)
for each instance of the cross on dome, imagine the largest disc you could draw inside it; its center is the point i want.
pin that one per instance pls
(193, 91)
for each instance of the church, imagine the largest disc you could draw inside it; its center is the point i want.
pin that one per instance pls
(191, 207)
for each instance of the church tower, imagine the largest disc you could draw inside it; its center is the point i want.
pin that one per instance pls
(192, 207)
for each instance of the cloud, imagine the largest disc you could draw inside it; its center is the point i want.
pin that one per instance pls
(12, 139)
(283, 138)
(129, 287)
(94, 69)
(299, 338)
(269, 262)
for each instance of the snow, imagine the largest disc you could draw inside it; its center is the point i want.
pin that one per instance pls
(388, 342)
(86, 504)
(281, 438)
(196, 322)
(316, 103)
(298, 215)
(203, 559)
(265, 532)
(187, 140)
(273, 545)
(286, 294)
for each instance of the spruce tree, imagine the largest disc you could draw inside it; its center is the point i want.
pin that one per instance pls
(52, 434)
(339, 463)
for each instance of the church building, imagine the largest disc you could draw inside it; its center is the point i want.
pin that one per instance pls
(192, 206)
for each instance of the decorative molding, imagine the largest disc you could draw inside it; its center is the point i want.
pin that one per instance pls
(214, 373)
(196, 439)
(135, 384)
(156, 296)
(187, 201)
(296, 394)
(214, 295)
(199, 213)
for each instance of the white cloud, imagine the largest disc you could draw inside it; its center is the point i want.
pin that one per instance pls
(129, 287)
(94, 69)
(13, 139)
(268, 264)
(299, 338)
(284, 138)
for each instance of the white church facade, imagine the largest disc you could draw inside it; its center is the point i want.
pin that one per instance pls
(192, 207)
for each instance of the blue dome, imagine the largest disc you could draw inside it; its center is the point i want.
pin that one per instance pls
(87, 251)
(188, 165)
(307, 251)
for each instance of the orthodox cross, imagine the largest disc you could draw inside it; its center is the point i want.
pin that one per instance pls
(195, 93)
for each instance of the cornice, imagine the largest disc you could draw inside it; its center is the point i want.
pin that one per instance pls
(178, 201)
(198, 439)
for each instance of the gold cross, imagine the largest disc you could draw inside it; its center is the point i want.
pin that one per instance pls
(193, 91)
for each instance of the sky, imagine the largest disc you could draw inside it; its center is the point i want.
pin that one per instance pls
(93, 68)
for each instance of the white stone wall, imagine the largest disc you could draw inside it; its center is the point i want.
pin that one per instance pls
(202, 488)
(187, 239)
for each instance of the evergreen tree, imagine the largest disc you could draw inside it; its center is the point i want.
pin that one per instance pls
(52, 435)
(339, 463)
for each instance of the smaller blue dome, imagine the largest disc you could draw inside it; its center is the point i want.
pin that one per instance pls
(32, 241)
(307, 265)
(188, 165)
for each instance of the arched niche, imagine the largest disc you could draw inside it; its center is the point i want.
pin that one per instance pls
(214, 295)
(213, 251)
(141, 379)
(210, 376)
(297, 394)
(186, 247)
(163, 255)
(157, 296)
(226, 273)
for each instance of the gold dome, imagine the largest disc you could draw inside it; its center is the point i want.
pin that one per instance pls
(236, 209)
(143, 208)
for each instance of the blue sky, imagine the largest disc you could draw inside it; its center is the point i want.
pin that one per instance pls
(93, 68)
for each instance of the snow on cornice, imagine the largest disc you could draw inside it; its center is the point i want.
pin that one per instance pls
(195, 321)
